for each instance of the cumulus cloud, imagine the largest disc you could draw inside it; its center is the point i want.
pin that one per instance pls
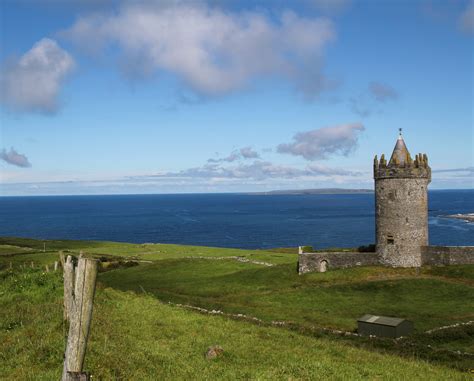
(361, 106)
(14, 158)
(370, 99)
(233, 156)
(211, 50)
(33, 82)
(330, 171)
(249, 153)
(243, 153)
(321, 143)
(257, 170)
(382, 92)
(466, 20)
(457, 172)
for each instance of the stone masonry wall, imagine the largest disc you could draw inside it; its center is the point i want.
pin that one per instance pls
(447, 255)
(401, 209)
(311, 262)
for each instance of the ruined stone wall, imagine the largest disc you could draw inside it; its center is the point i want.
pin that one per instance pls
(311, 262)
(401, 207)
(447, 255)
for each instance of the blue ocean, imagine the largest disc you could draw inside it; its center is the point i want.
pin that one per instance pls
(224, 220)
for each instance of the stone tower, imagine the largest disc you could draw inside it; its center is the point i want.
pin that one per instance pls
(401, 206)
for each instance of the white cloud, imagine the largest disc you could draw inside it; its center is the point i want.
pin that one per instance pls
(33, 82)
(249, 153)
(455, 172)
(466, 20)
(243, 153)
(233, 156)
(257, 170)
(370, 99)
(361, 105)
(382, 92)
(211, 50)
(14, 158)
(324, 142)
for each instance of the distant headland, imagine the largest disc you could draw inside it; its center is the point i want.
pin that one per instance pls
(313, 191)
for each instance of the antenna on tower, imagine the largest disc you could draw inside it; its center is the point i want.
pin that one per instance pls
(400, 132)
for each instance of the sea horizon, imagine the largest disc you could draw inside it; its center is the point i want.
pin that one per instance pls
(263, 193)
(232, 220)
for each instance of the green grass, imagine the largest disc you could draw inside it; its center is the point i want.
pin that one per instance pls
(159, 338)
(150, 252)
(10, 250)
(456, 272)
(135, 337)
(334, 299)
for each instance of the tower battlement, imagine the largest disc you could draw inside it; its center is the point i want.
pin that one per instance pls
(401, 165)
(417, 168)
(401, 201)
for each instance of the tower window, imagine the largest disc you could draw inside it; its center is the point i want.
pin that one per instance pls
(390, 239)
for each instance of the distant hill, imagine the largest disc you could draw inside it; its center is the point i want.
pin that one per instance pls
(314, 191)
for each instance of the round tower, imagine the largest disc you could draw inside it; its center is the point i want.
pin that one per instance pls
(401, 206)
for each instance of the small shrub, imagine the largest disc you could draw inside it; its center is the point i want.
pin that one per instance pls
(366, 249)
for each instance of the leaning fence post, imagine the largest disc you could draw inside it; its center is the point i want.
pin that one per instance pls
(80, 317)
(61, 258)
(56, 266)
(77, 376)
(68, 287)
(46, 267)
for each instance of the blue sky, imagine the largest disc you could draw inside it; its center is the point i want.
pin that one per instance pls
(177, 96)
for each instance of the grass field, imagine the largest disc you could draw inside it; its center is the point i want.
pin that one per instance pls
(137, 335)
(333, 299)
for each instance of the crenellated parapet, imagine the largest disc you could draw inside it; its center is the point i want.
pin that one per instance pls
(406, 169)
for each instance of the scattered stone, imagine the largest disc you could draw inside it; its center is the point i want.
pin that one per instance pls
(450, 326)
(214, 352)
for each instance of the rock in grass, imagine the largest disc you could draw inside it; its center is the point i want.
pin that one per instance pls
(214, 352)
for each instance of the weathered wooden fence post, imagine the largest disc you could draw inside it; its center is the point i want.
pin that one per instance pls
(68, 287)
(79, 316)
(78, 376)
(61, 258)
(56, 264)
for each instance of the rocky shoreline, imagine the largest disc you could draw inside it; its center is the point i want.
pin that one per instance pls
(468, 217)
